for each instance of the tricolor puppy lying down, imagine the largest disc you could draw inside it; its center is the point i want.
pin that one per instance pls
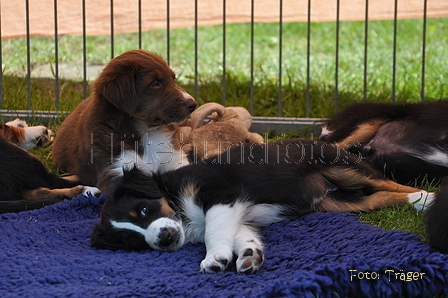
(223, 201)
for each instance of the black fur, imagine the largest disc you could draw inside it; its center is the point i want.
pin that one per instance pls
(437, 220)
(21, 172)
(288, 173)
(419, 128)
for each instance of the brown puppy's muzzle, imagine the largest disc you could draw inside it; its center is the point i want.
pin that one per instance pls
(190, 103)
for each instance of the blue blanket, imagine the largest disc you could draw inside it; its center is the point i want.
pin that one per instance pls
(46, 253)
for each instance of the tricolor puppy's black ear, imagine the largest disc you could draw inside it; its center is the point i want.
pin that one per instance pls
(100, 238)
(136, 183)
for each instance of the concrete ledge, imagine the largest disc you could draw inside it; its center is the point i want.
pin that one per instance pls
(275, 125)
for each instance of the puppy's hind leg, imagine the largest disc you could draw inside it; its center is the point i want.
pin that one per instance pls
(249, 249)
(221, 225)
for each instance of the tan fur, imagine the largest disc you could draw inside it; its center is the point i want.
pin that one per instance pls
(43, 193)
(12, 133)
(363, 133)
(350, 178)
(378, 200)
(166, 209)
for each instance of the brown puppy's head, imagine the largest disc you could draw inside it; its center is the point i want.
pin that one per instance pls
(142, 85)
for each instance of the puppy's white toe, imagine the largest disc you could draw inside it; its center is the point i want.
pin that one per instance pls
(421, 200)
(215, 263)
(91, 190)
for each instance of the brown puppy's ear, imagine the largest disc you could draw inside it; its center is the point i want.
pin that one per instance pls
(117, 84)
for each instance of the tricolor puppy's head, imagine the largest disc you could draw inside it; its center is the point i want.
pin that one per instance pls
(137, 217)
(142, 85)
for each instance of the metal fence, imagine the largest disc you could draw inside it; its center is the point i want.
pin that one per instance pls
(261, 124)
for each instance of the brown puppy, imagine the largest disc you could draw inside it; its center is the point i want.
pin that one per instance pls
(129, 120)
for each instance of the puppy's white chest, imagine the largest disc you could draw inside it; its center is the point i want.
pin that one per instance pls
(155, 153)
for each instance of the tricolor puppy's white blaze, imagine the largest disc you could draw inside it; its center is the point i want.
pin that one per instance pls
(421, 200)
(153, 231)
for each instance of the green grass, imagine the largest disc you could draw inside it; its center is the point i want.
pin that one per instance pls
(401, 218)
(266, 70)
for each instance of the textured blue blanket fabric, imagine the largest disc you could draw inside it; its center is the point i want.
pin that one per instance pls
(46, 253)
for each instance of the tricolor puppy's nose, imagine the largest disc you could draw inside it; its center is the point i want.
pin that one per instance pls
(167, 237)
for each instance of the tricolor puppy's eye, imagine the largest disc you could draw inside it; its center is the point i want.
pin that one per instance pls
(144, 211)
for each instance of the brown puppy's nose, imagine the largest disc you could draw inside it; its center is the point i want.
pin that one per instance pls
(191, 104)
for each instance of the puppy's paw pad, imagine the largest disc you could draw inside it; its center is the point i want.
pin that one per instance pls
(93, 191)
(249, 261)
(214, 264)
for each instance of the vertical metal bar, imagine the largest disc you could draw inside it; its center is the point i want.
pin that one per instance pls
(28, 56)
(422, 94)
(394, 59)
(224, 82)
(56, 53)
(252, 29)
(112, 29)
(168, 38)
(366, 43)
(308, 62)
(336, 83)
(1, 60)
(196, 80)
(280, 52)
(84, 48)
(139, 24)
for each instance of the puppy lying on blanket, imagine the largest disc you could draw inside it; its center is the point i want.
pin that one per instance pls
(224, 200)
(26, 184)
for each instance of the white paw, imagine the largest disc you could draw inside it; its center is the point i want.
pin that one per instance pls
(216, 263)
(93, 191)
(421, 200)
(249, 260)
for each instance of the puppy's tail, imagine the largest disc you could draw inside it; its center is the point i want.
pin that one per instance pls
(437, 220)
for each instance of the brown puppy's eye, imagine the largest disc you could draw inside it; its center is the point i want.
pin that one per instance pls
(155, 85)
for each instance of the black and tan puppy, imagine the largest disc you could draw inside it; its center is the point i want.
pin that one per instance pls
(130, 119)
(404, 141)
(223, 201)
(26, 184)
